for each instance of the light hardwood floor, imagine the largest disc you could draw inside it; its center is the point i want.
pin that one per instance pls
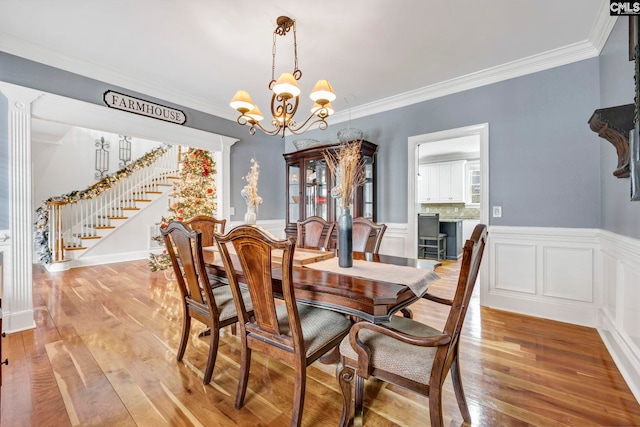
(103, 354)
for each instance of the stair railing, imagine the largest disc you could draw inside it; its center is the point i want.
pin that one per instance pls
(81, 214)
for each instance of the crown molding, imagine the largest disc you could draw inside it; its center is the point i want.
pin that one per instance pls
(554, 58)
(550, 59)
(590, 48)
(602, 27)
(19, 47)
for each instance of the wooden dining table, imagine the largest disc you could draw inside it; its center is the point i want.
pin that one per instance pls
(368, 299)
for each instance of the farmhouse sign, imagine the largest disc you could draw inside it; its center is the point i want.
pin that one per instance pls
(140, 106)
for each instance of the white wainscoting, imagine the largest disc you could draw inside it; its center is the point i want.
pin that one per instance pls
(545, 272)
(394, 241)
(619, 322)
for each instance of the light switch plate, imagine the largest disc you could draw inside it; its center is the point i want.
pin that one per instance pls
(232, 210)
(497, 211)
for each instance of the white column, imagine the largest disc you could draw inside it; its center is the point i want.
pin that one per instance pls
(17, 293)
(223, 167)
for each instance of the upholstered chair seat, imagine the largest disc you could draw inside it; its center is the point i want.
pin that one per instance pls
(319, 326)
(224, 299)
(416, 362)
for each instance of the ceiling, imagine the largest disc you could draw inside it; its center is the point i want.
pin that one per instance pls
(462, 146)
(377, 54)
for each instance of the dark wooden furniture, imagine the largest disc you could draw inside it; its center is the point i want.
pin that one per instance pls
(367, 235)
(207, 226)
(212, 306)
(372, 300)
(293, 333)
(309, 184)
(614, 125)
(314, 232)
(411, 354)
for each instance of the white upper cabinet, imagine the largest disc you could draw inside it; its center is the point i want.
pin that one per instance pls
(442, 182)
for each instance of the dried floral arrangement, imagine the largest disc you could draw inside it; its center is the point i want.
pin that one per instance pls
(347, 167)
(250, 191)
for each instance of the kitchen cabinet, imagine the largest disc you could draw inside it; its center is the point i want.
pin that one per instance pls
(473, 183)
(453, 229)
(442, 182)
(428, 184)
(309, 183)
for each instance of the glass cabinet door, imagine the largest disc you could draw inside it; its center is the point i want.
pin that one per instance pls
(367, 189)
(294, 195)
(316, 189)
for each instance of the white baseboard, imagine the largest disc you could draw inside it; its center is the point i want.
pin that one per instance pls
(625, 356)
(110, 258)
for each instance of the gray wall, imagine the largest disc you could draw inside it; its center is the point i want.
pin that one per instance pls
(544, 159)
(619, 214)
(268, 150)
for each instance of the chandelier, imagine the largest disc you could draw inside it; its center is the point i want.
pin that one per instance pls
(285, 97)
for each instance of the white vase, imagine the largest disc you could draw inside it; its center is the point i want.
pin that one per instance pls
(250, 217)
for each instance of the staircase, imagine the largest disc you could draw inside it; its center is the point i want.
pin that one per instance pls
(82, 221)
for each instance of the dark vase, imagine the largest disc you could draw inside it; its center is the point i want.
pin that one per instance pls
(345, 239)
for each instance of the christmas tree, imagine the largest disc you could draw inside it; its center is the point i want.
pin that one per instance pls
(193, 194)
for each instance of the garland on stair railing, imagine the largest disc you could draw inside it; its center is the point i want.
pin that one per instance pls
(41, 235)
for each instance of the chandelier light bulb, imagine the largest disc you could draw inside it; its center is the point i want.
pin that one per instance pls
(241, 101)
(322, 91)
(317, 107)
(255, 114)
(286, 86)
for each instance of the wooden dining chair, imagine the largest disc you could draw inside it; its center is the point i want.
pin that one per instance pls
(410, 354)
(367, 235)
(213, 306)
(296, 334)
(314, 232)
(207, 226)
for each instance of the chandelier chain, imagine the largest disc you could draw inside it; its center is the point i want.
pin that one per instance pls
(296, 72)
(273, 61)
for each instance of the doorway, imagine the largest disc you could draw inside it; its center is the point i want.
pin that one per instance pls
(478, 133)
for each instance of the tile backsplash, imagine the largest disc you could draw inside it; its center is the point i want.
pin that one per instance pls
(448, 210)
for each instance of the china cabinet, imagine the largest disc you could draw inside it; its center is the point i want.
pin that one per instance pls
(309, 183)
